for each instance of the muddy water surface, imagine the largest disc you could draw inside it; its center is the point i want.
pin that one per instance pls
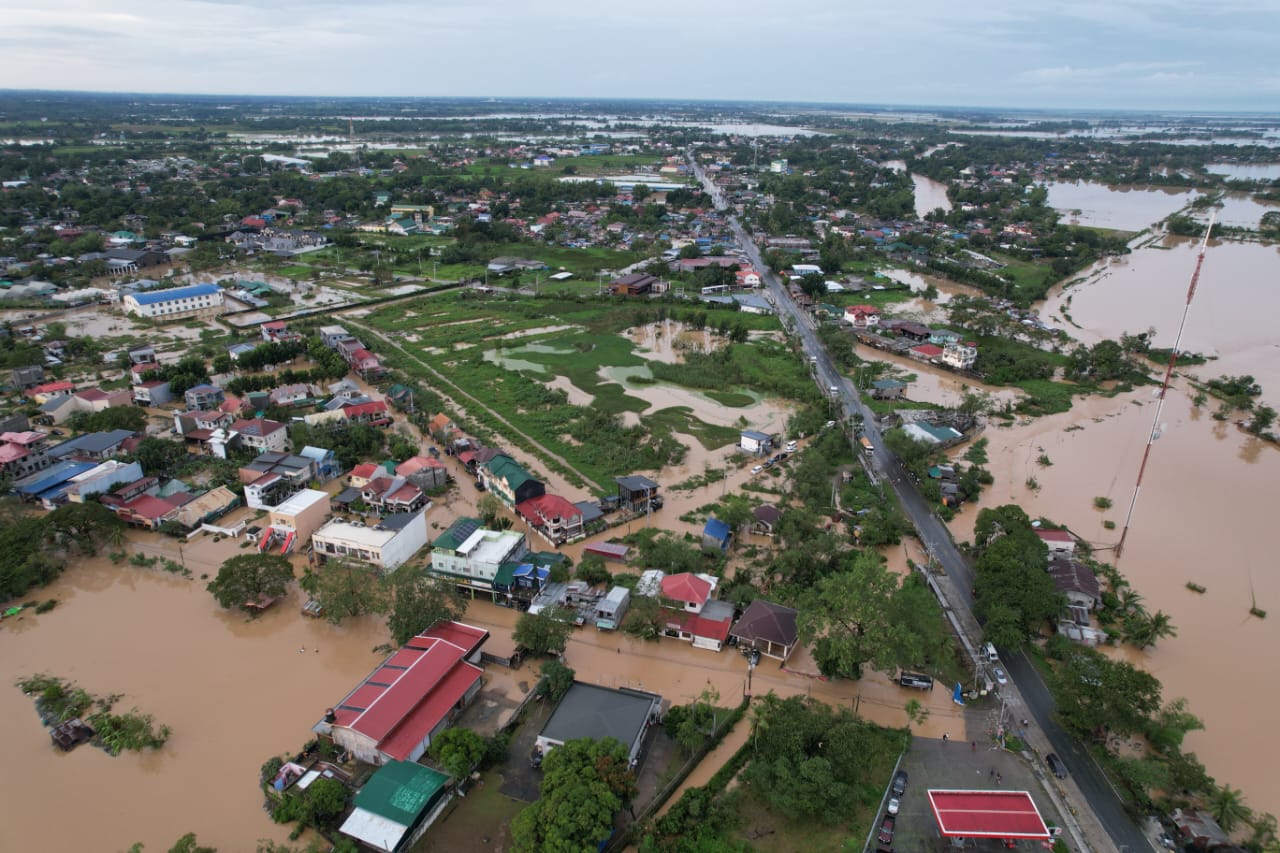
(235, 692)
(1123, 208)
(1232, 315)
(1206, 504)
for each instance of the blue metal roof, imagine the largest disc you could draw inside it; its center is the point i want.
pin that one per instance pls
(55, 476)
(718, 531)
(176, 293)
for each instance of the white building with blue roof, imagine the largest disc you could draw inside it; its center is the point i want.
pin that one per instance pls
(179, 303)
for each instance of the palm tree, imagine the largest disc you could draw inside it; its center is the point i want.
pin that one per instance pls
(1227, 806)
(115, 535)
(1131, 601)
(1161, 626)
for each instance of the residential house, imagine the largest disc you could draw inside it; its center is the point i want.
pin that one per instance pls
(201, 398)
(555, 518)
(207, 507)
(748, 277)
(152, 392)
(942, 337)
(765, 518)
(41, 394)
(689, 613)
(1199, 828)
(294, 520)
(365, 363)
(262, 434)
(888, 389)
(1077, 582)
(637, 493)
(911, 331)
(366, 471)
(393, 541)
(296, 394)
(49, 485)
(394, 809)
(477, 559)
(373, 413)
(862, 316)
(767, 627)
(425, 472)
(961, 356)
(331, 335)
(925, 352)
(410, 698)
(1061, 543)
(93, 445)
(386, 495)
(324, 462)
(592, 711)
(509, 481)
(611, 608)
(755, 442)
(96, 400)
(26, 377)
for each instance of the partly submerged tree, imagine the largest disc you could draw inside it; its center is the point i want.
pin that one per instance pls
(544, 633)
(242, 580)
(345, 588)
(419, 600)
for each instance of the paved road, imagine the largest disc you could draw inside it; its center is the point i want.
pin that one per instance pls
(937, 540)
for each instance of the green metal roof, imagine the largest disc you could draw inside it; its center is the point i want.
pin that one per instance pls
(457, 533)
(401, 790)
(506, 575)
(506, 468)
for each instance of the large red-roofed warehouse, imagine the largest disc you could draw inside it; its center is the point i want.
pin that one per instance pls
(987, 814)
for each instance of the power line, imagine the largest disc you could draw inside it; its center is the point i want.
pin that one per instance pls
(1164, 387)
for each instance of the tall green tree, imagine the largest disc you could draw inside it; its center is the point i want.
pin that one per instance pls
(1228, 807)
(584, 784)
(1098, 696)
(419, 600)
(849, 616)
(545, 633)
(345, 588)
(458, 751)
(242, 579)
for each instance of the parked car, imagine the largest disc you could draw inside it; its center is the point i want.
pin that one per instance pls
(998, 674)
(894, 805)
(1056, 765)
(792, 447)
(900, 783)
(757, 469)
(886, 830)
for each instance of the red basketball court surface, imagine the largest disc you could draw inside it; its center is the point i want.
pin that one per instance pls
(987, 814)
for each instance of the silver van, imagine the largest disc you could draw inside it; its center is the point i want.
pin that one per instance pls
(988, 653)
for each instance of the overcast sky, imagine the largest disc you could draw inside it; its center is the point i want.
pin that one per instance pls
(1137, 54)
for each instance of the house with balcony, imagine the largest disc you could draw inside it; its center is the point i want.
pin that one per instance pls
(509, 481)
(477, 559)
(423, 471)
(261, 434)
(556, 519)
(372, 413)
(689, 612)
(203, 397)
(961, 356)
(862, 316)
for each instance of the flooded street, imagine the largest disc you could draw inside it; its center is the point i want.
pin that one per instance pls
(235, 692)
(1206, 497)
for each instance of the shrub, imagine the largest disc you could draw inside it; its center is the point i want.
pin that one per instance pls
(1102, 503)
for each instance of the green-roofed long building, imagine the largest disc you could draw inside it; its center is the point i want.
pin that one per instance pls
(396, 805)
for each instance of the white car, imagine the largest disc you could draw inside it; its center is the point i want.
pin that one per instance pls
(792, 447)
(894, 805)
(757, 469)
(998, 674)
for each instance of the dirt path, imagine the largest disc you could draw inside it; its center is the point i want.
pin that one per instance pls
(510, 429)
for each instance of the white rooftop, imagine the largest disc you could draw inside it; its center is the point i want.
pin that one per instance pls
(489, 546)
(302, 501)
(338, 531)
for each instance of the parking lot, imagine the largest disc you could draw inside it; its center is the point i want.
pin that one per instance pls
(932, 763)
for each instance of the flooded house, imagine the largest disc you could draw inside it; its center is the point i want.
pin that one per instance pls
(768, 628)
(396, 806)
(591, 711)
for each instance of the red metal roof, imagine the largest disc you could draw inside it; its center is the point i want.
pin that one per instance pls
(686, 587)
(608, 550)
(148, 507)
(1054, 535)
(547, 507)
(414, 689)
(931, 350)
(365, 471)
(987, 814)
(373, 407)
(699, 626)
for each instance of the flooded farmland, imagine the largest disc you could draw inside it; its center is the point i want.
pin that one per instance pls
(1123, 208)
(1207, 495)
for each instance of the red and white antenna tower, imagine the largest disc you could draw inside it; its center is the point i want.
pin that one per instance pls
(1164, 387)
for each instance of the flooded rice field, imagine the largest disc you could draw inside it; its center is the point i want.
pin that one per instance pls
(235, 692)
(1122, 208)
(1206, 498)
(934, 384)
(1231, 318)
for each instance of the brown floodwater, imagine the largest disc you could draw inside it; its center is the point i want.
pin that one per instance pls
(1231, 316)
(234, 691)
(1207, 500)
(1123, 208)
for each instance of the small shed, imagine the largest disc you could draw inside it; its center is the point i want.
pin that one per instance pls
(888, 389)
(716, 534)
(755, 442)
(612, 608)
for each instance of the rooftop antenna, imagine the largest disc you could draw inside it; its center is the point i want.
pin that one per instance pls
(1156, 427)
